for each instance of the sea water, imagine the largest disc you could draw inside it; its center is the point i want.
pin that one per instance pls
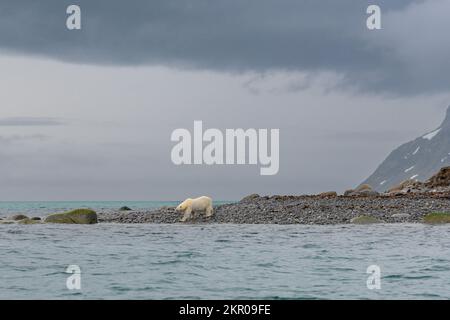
(219, 261)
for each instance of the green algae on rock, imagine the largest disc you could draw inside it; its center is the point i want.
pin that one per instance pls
(6, 222)
(29, 221)
(437, 218)
(365, 220)
(18, 217)
(78, 216)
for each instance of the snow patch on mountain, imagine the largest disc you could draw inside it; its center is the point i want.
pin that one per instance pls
(418, 158)
(431, 135)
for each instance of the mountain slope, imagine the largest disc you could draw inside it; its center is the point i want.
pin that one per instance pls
(418, 159)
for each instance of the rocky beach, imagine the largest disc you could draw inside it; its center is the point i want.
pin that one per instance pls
(411, 201)
(321, 210)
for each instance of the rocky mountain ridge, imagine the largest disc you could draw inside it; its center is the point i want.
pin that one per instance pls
(416, 160)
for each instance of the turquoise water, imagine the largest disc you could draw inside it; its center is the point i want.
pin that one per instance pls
(42, 208)
(147, 261)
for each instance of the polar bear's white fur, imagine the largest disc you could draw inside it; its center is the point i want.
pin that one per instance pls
(189, 206)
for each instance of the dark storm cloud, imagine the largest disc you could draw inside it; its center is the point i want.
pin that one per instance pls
(231, 35)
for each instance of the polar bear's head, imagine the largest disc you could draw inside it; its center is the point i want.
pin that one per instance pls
(183, 206)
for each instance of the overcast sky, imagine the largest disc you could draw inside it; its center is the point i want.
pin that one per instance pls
(88, 114)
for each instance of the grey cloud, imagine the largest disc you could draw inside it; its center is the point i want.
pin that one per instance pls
(17, 138)
(29, 121)
(370, 136)
(236, 36)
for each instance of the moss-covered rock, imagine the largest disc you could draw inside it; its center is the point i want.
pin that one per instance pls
(6, 222)
(125, 208)
(18, 217)
(79, 216)
(250, 198)
(401, 216)
(365, 220)
(363, 187)
(29, 221)
(437, 218)
(328, 194)
(348, 192)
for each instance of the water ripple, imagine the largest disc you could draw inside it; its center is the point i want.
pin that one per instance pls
(224, 261)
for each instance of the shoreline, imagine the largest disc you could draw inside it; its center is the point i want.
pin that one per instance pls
(305, 209)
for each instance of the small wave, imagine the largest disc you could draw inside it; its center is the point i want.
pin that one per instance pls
(221, 262)
(422, 277)
(436, 268)
(222, 241)
(169, 262)
(119, 288)
(265, 265)
(310, 246)
(407, 276)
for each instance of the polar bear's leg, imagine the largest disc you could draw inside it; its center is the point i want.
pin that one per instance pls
(187, 215)
(209, 211)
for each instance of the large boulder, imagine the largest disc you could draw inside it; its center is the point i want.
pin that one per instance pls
(440, 179)
(348, 192)
(29, 221)
(79, 216)
(6, 222)
(250, 198)
(18, 217)
(363, 187)
(362, 190)
(409, 185)
(125, 208)
(328, 194)
(368, 193)
(401, 217)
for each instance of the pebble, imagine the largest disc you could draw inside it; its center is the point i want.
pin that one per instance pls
(300, 210)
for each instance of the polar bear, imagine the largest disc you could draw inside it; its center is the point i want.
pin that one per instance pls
(193, 205)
